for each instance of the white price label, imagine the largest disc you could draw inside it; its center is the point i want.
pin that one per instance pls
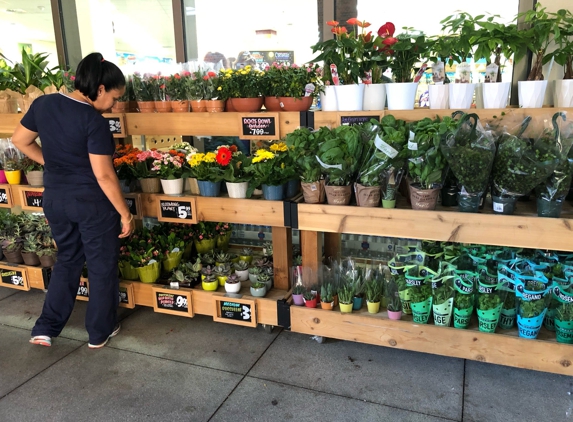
(181, 302)
(313, 187)
(497, 207)
(384, 147)
(246, 314)
(412, 146)
(329, 166)
(183, 211)
(17, 280)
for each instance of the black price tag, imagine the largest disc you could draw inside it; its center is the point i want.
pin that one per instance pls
(177, 211)
(132, 205)
(83, 290)
(4, 197)
(261, 126)
(126, 295)
(173, 302)
(234, 310)
(33, 198)
(116, 124)
(12, 277)
(356, 120)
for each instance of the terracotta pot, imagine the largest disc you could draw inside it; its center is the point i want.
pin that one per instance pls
(198, 106)
(35, 178)
(120, 107)
(163, 106)
(180, 106)
(229, 105)
(15, 257)
(150, 185)
(215, 106)
(272, 104)
(327, 305)
(247, 105)
(146, 106)
(295, 104)
(31, 258)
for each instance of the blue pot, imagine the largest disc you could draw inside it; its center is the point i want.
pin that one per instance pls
(356, 303)
(273, 193)
(209, 188)
(292, 188)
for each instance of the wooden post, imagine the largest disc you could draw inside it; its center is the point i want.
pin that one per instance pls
(282, 256)
(311, 248)
(332, 245)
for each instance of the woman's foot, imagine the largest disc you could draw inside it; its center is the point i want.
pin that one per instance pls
(113, 334)
(41, 340)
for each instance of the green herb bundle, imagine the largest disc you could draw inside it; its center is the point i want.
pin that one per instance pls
(302, 147)
(533, 297)
(340, 155)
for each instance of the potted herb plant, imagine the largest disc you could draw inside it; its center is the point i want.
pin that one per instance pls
(564, 315)
(443, 299)
(345, 298)
(373, 290)
(463, 300)
(533, 297)
(490, 298)
(418, 280)
(298, 295)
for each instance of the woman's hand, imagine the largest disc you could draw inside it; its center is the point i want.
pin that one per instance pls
(127, 226)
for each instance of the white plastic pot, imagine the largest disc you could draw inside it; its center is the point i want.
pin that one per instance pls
(496, 95)
(328, 99)
(531, 93)
(439, 97)
(401, 95)
(374, 97)
(461, 96)
(349, 97)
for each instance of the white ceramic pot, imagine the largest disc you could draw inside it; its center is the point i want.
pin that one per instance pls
(531, 93)
(328, 99)
(233, 288)
(496, 95)
(563, 94)
(237, 190)
(439, 96)
(401, 95)
(461, 96)
(349, 97)
(374, 97)
(172, 187)
(243, 275)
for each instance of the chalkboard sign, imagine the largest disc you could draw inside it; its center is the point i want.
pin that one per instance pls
(175, 210)
(116, 125)
(83, 290)
(126, 295)
(259, 126)
(14, 277)
(133, 202)
(235, 311)
(32, 199)
(356, 120)
(5, 196)
(174, 302)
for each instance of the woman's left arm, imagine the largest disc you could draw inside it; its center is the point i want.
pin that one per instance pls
(25, 141)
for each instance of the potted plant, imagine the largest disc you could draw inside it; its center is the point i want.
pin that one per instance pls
(258, 289)
(171, 248)
(143, 89)
(418, 280)
(205, 237)
(47, 256)
(30, 248)
(242, 87)
(222, 271)
(209, 282)
(34, 172)
(12, 243)
(440, 49)
(177, 89)
(233, 284)
(242, 270)
(443, 299)
(373, 289)
(298, 87)
(342, 57)
(170, 170)
(376, 60)
(207, 258)
(564, 315)
(540, 33)
(246, 254)
(213, 103)
(143, 170)
(222, 257)
(271, 168)
(309, 299)
(409, 48)
(234, 163)
(392, 296)
(254, 273)
(124, 160)
(490, 299)
(470, 152)
(298, 295)
(340, 157)
(345, 298)
(208, 171)
(563, 56)
(327, 296)
(12, 165)
(533, 297)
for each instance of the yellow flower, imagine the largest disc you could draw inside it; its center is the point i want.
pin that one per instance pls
(244, 72)
(196, 159)
(282, 165)
(279, 147)
(210, 157)
(262, 74)
(228, 71)
(262, 155)
(220, 88)
(248, 67)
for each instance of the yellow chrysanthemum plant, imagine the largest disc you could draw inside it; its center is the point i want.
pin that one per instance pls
(239, 83)
(272, 166)
(204, 167)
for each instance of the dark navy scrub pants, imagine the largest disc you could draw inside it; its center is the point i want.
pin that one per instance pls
(85, 229)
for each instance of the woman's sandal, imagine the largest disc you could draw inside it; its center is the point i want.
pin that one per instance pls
(41, 340)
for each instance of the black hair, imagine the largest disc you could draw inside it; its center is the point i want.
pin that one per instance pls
(94, 71)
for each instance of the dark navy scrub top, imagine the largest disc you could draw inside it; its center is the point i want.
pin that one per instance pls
(69, 130)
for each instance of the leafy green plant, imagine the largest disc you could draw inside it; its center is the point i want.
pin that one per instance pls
(302, 146)
(461, 26)
(373, 289)
(326, 293)
(298, 289)
(411, 47)
(346, 294)
(564, 40)
(30, 72)
(340, 155)
(442, 290)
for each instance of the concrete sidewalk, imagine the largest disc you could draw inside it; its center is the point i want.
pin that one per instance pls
(166, 368)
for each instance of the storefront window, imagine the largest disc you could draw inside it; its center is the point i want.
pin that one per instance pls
(129, 32)
(28, 25)
(256, 32)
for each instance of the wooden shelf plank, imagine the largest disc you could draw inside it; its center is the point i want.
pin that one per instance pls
(501, 230)
(8, 123)
(213, 124)
(540, 355)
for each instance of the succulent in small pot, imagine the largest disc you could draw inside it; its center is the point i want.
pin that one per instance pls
(309, 299)
(233, 284)
(254, 273)
(30, 248)
(207, 271)
(210, 282)
(246, 254)
(222, 257)
(222, 271)
(207, 259)
(258, 289)
(265, 278)
(241, 266)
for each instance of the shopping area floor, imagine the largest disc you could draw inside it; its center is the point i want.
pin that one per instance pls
(169, 368)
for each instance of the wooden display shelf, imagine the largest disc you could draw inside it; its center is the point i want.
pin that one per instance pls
(8, 123)
(203, 301)
(213, 124)
(521, 230)
(505, 348)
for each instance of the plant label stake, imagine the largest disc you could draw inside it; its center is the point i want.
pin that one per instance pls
(420, 72)
(334, 73)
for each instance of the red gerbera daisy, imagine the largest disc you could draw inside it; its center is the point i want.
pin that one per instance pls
(224, 156)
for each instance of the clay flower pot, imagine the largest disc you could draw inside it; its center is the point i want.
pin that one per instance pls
(247, 105)
(214, 106)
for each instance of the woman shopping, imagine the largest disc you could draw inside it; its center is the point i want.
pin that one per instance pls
(82, 200)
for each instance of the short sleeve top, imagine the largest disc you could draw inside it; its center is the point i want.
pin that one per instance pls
(69, 130)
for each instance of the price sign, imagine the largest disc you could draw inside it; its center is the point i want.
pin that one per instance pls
(235, 311)
(133, 201)
(83, 290)
(116, 125)
(174, 302)
(32, 199)
(126, 295)
(5, 196)
(356, 120)
(14, 277)
(259, 126)
(177, 210)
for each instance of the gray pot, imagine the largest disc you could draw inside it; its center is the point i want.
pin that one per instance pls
(504, 204)
(35, 178)
(259, 292)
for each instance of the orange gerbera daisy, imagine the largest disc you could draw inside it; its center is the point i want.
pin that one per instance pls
(224, 156)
